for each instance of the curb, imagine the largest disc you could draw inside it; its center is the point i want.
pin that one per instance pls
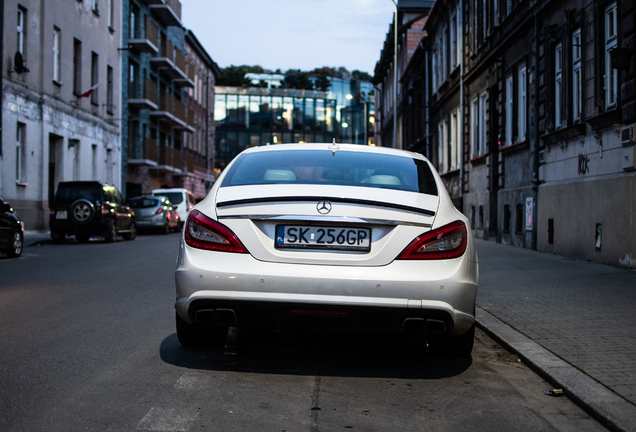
(611, 410)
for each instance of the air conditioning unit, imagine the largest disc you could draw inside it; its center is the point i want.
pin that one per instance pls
(628, 158)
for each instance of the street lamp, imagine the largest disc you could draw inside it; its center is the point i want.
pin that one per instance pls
(395, 69)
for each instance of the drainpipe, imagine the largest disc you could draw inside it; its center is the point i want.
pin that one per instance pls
(426, 113)
(460, 24)
(207, 129)
(535, 162)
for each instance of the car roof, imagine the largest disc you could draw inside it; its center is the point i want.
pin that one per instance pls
(341, 146)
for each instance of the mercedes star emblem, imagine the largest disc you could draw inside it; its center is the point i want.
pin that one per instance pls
(323, 207)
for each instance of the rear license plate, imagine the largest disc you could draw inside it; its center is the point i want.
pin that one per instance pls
(333, 238)
(61, 214)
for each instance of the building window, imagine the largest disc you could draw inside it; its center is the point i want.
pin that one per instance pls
(558, 85)
(95, 78)
(474, 128)
(21, 30)
(577, 90)
(110, 103)
(484, 19)
(475, 25)
(110, 11)
(519, 219)
(472, 217)
(483, 110)
(506, 219)
(453, 41)
(521, 109)
(57, 58)
(75, 145)
(134, 16)
(442, 129)
(481, 218)
(454, 147)
(509, 109)
(611, 41)
(96, 6)
(77, 67)
(20, 154)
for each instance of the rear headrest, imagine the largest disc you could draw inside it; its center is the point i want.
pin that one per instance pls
(279, 175)
(388, 180)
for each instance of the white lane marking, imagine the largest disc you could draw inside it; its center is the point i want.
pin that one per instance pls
(166, 420)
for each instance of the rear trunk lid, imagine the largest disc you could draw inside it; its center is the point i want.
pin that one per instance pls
(259, 214)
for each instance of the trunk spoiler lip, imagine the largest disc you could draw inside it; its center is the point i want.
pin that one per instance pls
(327, 219)
(246, 201)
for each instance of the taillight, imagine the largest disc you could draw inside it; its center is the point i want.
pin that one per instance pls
(446, 242)
(201, 232)
(105, 210)
(159, 211)
(52, 213)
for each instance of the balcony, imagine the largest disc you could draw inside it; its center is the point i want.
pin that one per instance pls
(145, 155)
(165, 109)
(167, 11)
(180, 117)
(146, 99)
(167, 60)
(182, 65)
(147, 42)
(169, 160)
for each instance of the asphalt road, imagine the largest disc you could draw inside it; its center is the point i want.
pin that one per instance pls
(87, 342)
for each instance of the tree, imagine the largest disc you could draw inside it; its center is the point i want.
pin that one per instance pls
(234, 76)
(297, 79)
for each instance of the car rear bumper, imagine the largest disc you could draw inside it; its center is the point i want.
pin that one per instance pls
(66, 226)
(265, 294)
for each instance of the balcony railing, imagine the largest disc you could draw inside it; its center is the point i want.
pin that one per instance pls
(147, 42)
(167, 11)
(145, 98)
(142, 153)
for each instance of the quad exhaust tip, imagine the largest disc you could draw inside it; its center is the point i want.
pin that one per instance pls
(422, 325)
(222, 317)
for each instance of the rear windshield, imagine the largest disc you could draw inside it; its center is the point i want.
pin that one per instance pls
(143, 202)
(175, 197)
(68, 194)
(342, 168)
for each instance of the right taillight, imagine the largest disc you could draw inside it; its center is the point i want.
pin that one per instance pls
(201, 232)
(105, 209)
(446, 242)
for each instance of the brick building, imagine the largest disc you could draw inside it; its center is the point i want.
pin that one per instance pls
(411, 18)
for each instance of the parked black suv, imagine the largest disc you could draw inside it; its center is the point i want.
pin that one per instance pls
(88, 208)
(11, 231)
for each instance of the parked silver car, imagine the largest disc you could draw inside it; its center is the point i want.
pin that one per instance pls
(155, 213)
(328, 236)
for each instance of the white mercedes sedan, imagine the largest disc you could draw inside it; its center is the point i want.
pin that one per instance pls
(328, 236)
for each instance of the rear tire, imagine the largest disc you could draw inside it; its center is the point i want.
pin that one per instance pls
(58, 237)
(111, 234)
(193, 335)
(132, 234)
(16, 247)
(447, 345)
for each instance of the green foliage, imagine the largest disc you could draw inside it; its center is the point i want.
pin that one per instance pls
(297, 79)
(234, 76)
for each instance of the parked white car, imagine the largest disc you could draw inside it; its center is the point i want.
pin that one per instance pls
(329, 236)
(181, 198)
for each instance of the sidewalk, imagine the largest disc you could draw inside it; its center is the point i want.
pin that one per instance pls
(574, 322)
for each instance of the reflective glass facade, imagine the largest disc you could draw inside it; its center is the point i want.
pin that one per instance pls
(253, 117)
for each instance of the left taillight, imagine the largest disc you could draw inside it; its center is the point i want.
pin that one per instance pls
(201, 232)
(105, 209)
(446, 242)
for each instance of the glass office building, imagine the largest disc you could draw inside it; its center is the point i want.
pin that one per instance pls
(248, 117)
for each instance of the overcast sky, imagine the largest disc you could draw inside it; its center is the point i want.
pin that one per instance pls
(291, 34)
